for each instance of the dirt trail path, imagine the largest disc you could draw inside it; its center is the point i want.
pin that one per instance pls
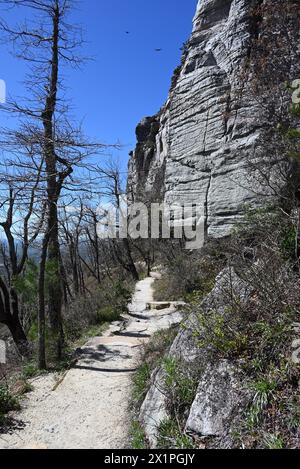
(89, 408)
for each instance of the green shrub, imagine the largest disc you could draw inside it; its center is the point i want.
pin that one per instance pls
(180, 387)
(271, 441)
(137, 436)
(188, 273)
(264, 392)
(221, 336)
(150, 359)
(107, 314)
(106, 305)
(141, 382)
(170, 436)
(8, 402)
(30, 370)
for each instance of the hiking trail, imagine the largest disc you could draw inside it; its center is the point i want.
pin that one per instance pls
(87, 407)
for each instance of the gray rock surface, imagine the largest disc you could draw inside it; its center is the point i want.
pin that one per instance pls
(197, 147)
(222, 394)
(220, 399)
(154, 408)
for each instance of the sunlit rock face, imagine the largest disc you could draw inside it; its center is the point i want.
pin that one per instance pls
(197, 147)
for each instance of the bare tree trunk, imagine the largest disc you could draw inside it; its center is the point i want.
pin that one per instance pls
(9, 316)
(42, 313)
(131, 264)
(18, 335)
(55, 289)
(55, 285)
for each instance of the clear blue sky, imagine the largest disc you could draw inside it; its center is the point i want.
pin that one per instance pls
(127, 79)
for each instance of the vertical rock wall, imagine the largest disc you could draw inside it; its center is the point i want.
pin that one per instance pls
(196, 148)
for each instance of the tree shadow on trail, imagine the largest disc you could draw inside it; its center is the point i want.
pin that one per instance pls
(101, 354)
(10, 425)
(105, 370)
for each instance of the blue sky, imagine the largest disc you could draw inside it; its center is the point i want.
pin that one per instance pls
(127, 79)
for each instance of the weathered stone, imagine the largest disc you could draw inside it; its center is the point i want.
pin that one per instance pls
(153, 410)
(220, 399)
(220, 382)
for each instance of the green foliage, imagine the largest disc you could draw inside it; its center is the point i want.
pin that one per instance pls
(106, 305)
(137, 436)
(295, 109)
(52, 277)
(170, 436)
(26, 284)
(271, 441)
(187, 275)
(293, 134)
(264, 392)
(218, 335)
(294, 155)
(141, 381)
(288, 240)
(180, 386)
(253, 417)
(33, 332)
(107, 314)
(151, 358)
(30, 370)
(7, 402)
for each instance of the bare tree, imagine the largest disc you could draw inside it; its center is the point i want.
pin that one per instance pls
(46, 43)
(19, 204)
(112, 187)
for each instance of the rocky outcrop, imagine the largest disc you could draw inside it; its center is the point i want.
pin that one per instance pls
(197, 147)
(222, 394)
(220, 401)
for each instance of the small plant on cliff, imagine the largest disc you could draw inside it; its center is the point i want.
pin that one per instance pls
(137, 436)
(264, 392)
(141, 382)
(221, 336)
(180, 385)
(170, 436)
(272, 441)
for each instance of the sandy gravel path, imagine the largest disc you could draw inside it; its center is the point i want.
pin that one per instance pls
(89, 408)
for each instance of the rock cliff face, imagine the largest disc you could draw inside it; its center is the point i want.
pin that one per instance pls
(196, 148)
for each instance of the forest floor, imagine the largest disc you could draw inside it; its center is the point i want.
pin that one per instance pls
(87, 406)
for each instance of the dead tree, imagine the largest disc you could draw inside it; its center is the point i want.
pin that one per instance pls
(45, 125)
(110, 182)
(20, 204)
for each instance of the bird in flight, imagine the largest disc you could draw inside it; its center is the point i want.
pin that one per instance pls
(158, 50)
(127, 32)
